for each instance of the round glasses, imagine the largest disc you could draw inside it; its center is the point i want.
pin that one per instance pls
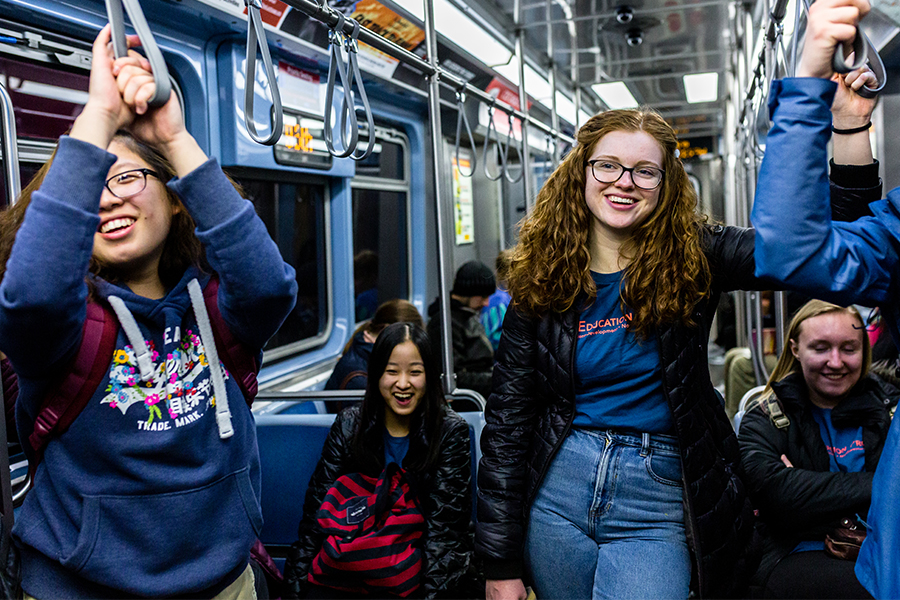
(127, 184)
(607, 171)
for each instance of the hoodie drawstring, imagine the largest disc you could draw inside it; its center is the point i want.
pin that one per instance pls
(145, 362)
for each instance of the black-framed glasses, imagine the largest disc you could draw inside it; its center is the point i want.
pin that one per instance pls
(127, 184)
(609, 171)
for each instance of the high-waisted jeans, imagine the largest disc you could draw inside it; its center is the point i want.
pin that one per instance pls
(608, 520)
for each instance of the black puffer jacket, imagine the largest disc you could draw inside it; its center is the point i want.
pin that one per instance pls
(533, 405)
(807, 501)
(445, 497)
(473, 355)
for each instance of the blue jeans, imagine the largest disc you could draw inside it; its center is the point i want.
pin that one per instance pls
(608, 520)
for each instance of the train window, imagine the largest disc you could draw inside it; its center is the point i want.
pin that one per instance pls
(45, 100)
(380, 224)
(294, 214)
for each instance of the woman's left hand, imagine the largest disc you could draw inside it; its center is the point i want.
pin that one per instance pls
(163, 127)
(849, 109)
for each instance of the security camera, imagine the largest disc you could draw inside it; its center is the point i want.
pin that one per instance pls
(634, 37)
(624, 15)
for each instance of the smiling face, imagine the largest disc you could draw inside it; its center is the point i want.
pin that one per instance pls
(830, 351)
(618, 208)
(402, 386)
(133, 230)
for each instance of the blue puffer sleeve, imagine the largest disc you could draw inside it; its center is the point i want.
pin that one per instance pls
(797, 243)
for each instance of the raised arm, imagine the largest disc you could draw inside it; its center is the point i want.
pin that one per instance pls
(797, 242)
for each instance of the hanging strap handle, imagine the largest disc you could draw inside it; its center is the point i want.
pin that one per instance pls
(519, 150)
(349, 125)
(115, 10)
(256, 36)
(487, 140)
(863, 51)
(351, 44)
(462, 118)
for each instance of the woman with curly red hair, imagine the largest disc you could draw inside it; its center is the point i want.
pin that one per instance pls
(609, 467)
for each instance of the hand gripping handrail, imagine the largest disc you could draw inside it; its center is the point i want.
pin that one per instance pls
(520, 151)
(115, 10)
(461, 118)
(349, 124)
(863, 51)
(487, 141)
(10, 148)
(256, 36)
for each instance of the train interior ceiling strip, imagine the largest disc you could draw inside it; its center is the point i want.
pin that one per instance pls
(359, 232)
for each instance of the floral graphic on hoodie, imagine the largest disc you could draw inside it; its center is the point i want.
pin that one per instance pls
(180, 388)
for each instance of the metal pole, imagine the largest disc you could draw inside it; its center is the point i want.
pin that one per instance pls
(10, 149)
(576, 78)
(328, 16)
(554, 116)
(523, 105)
(441, 204)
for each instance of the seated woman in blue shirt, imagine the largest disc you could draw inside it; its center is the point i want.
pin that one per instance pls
(809, 449)
(402, 419)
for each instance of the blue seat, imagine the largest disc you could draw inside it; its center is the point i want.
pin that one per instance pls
(289, 449)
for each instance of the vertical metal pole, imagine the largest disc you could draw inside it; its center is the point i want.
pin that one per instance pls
(442, 204)
(576, 79)
(10, 149)
(554, 116)
(523, 105)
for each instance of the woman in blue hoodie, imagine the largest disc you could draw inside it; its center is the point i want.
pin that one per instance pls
(154, 488)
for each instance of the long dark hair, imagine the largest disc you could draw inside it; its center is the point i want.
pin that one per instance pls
(425, 424)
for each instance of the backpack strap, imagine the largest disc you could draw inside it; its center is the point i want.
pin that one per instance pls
(65, 402)
(234, 354)
(773, 408)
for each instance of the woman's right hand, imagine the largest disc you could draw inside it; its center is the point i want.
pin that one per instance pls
(505, 589)
(105, 112)
(830, 22)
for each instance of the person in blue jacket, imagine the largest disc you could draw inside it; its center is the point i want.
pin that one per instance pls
(798, 244)
(154, 488)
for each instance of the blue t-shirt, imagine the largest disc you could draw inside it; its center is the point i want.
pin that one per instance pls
(846, 453)
(618, 379)
(395, 448)
(492, 315)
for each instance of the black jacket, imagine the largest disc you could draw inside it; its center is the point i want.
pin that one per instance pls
(444, 494)
(807, 501)
(533, 405)
(473, 355)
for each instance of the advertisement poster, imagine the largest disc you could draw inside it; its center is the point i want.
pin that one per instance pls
(463, 206)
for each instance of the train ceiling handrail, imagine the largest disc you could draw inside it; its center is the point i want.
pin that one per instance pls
(347, 72)
(510, 138)
(115, 10)
(10, 147)
(330, 18)
(487, 140)
(256, 36)
(462, 118)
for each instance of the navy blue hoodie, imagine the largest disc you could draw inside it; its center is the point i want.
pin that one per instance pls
(141, 496)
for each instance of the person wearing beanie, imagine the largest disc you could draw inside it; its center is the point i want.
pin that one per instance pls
(473, 356)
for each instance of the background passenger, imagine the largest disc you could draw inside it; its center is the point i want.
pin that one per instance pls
(473, 356)
(350, 371)
(403, 418)
(154, 488)
(801, 246)
(811, 470)
(602, 396)
(492, 314)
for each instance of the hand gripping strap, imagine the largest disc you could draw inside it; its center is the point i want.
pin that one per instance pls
(66, 401)
(240, 362)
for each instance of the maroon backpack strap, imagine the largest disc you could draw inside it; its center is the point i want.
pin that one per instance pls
(242, 364)
(66, 401)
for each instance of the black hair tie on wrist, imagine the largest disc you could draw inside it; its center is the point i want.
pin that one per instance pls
(851, 131)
